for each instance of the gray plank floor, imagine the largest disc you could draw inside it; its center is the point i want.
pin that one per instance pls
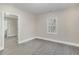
(37, 47)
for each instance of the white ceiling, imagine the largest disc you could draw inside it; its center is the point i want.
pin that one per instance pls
(39, 8)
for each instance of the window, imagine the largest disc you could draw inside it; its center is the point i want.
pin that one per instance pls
(51, 25)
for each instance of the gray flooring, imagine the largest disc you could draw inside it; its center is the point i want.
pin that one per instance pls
(37, 47)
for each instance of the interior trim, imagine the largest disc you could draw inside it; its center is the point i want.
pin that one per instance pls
(26, 40)
(57, 41)
(43, 38)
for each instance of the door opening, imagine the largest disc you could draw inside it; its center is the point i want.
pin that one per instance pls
(10, 31)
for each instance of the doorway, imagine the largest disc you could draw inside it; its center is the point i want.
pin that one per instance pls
(10, 31)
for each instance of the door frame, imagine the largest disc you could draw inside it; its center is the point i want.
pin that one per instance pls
(18, 25)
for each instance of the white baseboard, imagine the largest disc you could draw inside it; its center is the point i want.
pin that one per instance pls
(1, 48)
(11, 35)
(26, 40)
(52, 40)
(57, 41)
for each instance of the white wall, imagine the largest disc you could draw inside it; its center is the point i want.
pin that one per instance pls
(26, 23)
(68, 25)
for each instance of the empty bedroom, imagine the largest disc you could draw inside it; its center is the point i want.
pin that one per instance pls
(39, 29)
